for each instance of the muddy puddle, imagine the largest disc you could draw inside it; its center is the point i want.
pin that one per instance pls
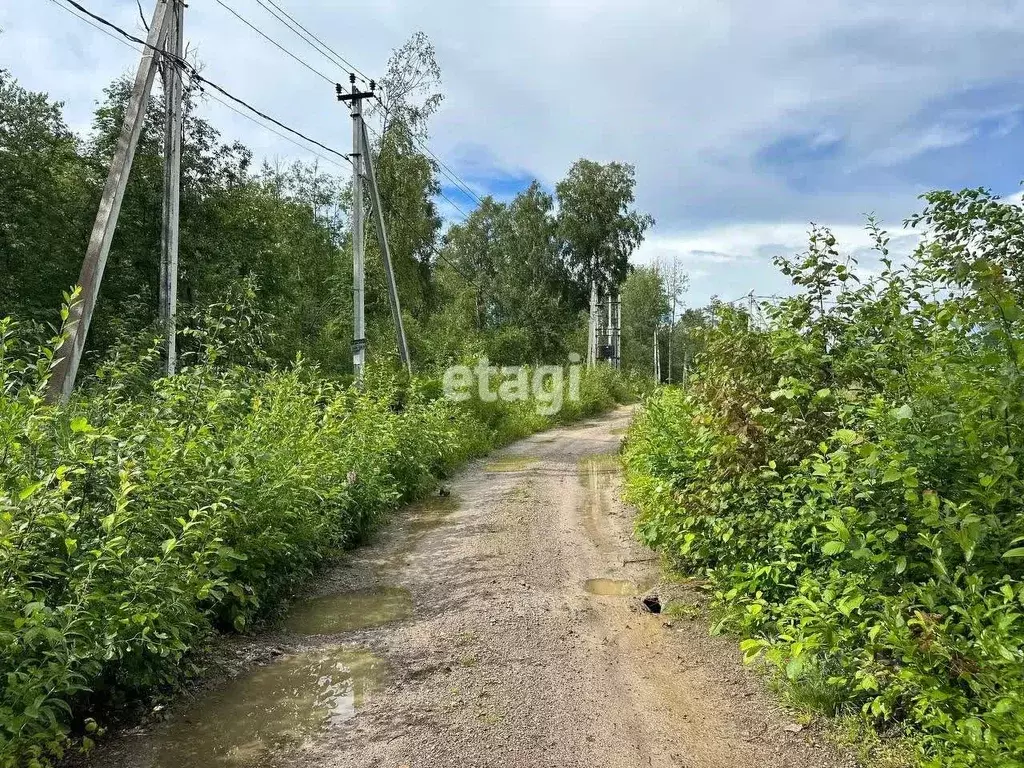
(597, 474)
(427, 515)
(348, 611)
(611, 588)
(273, 710)
(511, 464)
(411, 525)
(598, 464)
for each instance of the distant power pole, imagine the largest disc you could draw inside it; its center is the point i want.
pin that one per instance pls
(69, 355)
(657, 358)
(671, 333)
(592, 342)
(174, 47)
(365, 173)
(618, 330)
(609, 332)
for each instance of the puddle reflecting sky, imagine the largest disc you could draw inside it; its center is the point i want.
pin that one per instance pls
(273, 709)
(349, 611)
(611, 587)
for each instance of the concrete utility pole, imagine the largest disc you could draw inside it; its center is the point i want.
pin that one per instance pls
(358, 252)
(657, 358)
(671, 334)
(174, 47)
(364, 171)
(385, 250)
(609, 333)
(69, 355)
(592, 348)
(618, 330)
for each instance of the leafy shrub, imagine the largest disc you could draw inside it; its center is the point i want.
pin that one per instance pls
(849, 481)
(147, 515)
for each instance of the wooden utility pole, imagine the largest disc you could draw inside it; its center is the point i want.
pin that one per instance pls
(174, 47)
(364, 172)
(69, 355)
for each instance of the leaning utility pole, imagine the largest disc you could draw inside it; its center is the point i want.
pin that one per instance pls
(365, 173)
(385, 250)
(69, 355)
(174, 48)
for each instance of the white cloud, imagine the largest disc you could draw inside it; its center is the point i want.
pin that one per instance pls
(688, 91)
(732, 260)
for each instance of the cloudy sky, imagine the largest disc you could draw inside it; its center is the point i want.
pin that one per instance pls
(745, 120)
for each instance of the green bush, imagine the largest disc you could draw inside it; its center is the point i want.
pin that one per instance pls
(849, 481)
(147, 515)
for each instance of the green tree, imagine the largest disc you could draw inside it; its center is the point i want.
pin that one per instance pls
(687, 340)
(524, 294)
(598, 225)
(45, 190)
(645, 310)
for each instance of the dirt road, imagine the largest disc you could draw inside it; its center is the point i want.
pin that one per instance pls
(501, 626)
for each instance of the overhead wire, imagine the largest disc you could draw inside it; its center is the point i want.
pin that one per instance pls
(127, 39)
(321, 46)
(452, 176)
(94, 25)
(446, 172)
(456, 181)
(272, 41)
(336, 58)
(287, 138)
(452, 203)
(195, 75)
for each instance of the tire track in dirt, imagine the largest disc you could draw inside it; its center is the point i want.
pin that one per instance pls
(504, 658)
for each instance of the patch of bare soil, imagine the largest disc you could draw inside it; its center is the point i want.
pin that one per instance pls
(501, 626)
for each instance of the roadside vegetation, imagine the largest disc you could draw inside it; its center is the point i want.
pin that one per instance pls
(847, 479)
(151, 513)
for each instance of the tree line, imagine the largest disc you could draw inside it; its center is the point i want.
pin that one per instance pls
(510, 282)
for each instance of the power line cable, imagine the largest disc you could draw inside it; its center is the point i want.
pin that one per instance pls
(213, 96)
(272, 41)
(94, 25)
(276, 122)
(446, 170)
(313, 40)
(317, 44)
(265, 127)
(200, 80)
(457, 269)
(197, 77)
(295, 26)
(465, 216)
(453, 177)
